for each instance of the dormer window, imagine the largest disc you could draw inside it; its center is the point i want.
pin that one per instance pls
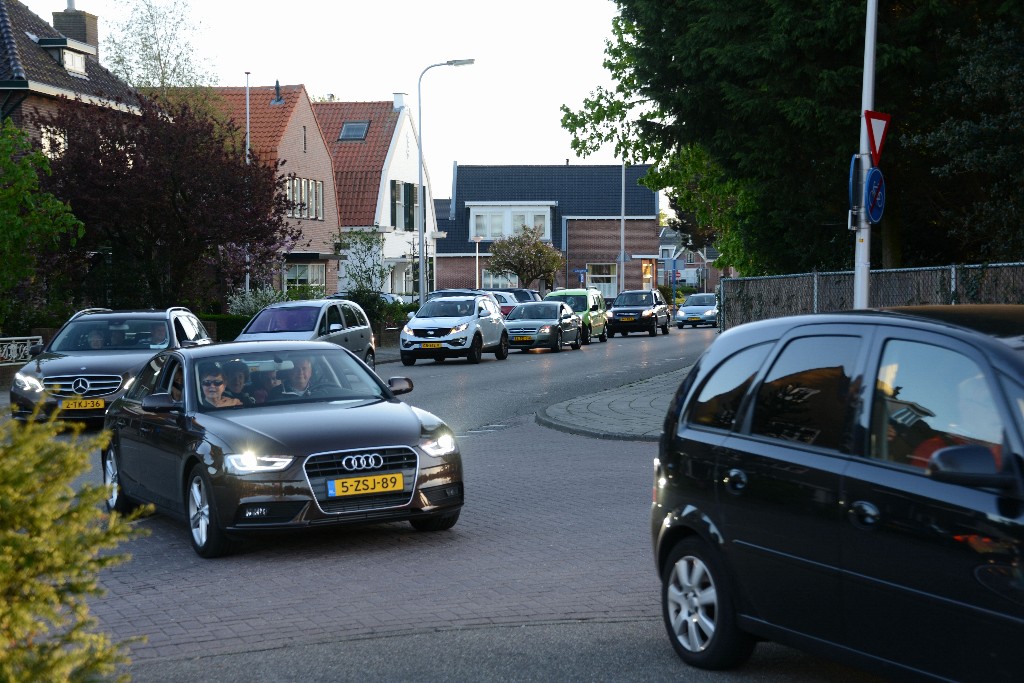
(354, 130)
(73, 61)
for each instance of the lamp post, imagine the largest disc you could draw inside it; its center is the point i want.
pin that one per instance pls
(422, 194)
(477, 239)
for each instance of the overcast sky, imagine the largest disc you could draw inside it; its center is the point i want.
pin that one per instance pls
(531, 56)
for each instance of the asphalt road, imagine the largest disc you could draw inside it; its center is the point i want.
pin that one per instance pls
(547, 576)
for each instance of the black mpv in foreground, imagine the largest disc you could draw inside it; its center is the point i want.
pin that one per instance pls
(850, 484)
(313, 438)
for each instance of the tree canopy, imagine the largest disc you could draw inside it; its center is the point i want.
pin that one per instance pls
(173, 214)
(32, 220)
(526, 256)
(750, 112)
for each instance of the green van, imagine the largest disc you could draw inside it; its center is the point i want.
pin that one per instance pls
(589, 303)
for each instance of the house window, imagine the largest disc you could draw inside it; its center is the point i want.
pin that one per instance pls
(404, 205)
(604, 278)
(306, 197)
(299, 274)
(488, 280)
(74, 61)
(689, 257)
(494, 223)
(354, 130)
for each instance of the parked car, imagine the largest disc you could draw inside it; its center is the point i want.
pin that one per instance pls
(544, 324)
(338, 321)
(344, 450)
(438, 293)
(521, 294)
(590, 304)
(697, 309)
(506, 301)
(638, 310)
(452, 327)
(93, 358)
(385, 297)
(851, 484)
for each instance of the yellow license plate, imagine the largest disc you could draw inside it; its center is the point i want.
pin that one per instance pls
(627, 320)
(430, 345)
(517, 339)
(357, 486)
(82, 404)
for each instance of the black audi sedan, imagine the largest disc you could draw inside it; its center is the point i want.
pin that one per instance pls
(851, 484)
(312, 437)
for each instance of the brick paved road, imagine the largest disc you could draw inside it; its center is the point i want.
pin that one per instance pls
(554, 529)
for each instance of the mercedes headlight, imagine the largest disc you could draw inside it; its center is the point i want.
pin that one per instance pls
(28, 383)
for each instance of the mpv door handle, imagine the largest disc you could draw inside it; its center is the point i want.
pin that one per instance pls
(736, 481)
(864, 515)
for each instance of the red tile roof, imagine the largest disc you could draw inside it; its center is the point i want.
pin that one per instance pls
(268, 118)
(358, 164)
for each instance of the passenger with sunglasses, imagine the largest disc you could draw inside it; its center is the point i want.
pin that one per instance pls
(212, 380)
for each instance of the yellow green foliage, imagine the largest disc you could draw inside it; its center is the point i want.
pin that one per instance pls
(55, 538)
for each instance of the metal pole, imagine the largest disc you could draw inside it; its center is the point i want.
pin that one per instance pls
(622, 234)
(248, 142)
(422, 198)
(862, 255)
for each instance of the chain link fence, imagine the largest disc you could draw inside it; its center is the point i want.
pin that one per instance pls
(744, 300)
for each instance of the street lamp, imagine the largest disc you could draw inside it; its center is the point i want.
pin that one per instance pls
(422, 193)
(477, 239)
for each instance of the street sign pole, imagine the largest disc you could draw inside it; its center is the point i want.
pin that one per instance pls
(862, 255)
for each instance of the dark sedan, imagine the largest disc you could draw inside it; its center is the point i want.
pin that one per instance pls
(315, 438)
(851, 484)
(544, 325)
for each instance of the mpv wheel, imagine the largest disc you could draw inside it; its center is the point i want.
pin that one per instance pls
(697, 607)
(408, 360)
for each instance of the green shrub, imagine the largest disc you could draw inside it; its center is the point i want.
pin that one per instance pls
(248, 304)
(53, 544)
(227, 326)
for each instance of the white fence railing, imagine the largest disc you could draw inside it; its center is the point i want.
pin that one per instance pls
(14, 350)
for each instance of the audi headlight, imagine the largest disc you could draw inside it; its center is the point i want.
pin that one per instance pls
(28, 383)
(439, 444)
(250, 463)
(460, 328)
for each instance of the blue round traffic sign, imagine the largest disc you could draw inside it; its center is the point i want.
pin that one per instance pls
(874, 195)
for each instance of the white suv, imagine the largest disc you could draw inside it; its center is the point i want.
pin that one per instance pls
(453, 327)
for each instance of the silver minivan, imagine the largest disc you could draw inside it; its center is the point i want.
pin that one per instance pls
(338, 321)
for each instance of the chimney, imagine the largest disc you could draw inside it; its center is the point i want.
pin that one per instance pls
(399, 101)
(78, 25)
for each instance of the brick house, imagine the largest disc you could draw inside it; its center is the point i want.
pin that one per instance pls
(579, 210)
(282, 126)
(40, 64)
(376, 157)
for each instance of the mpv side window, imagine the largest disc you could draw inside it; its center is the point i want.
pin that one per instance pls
(807, 395)
(334, 317)
(928, 397)
(719, 399)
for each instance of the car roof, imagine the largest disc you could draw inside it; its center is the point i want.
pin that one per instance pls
(244, 347)
(110, 314)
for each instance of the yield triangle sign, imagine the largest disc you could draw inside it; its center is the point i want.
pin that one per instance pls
(877, 124)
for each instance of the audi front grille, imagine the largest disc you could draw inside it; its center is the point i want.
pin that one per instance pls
(84, 386)
(325, 467)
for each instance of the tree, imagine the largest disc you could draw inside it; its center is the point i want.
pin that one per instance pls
(31, 219)
(173, 212)
(526, 256)
(53, 544)
(150, 49)
(758, 102)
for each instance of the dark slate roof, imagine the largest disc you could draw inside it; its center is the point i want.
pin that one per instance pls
(24, 65)
(579, 190)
